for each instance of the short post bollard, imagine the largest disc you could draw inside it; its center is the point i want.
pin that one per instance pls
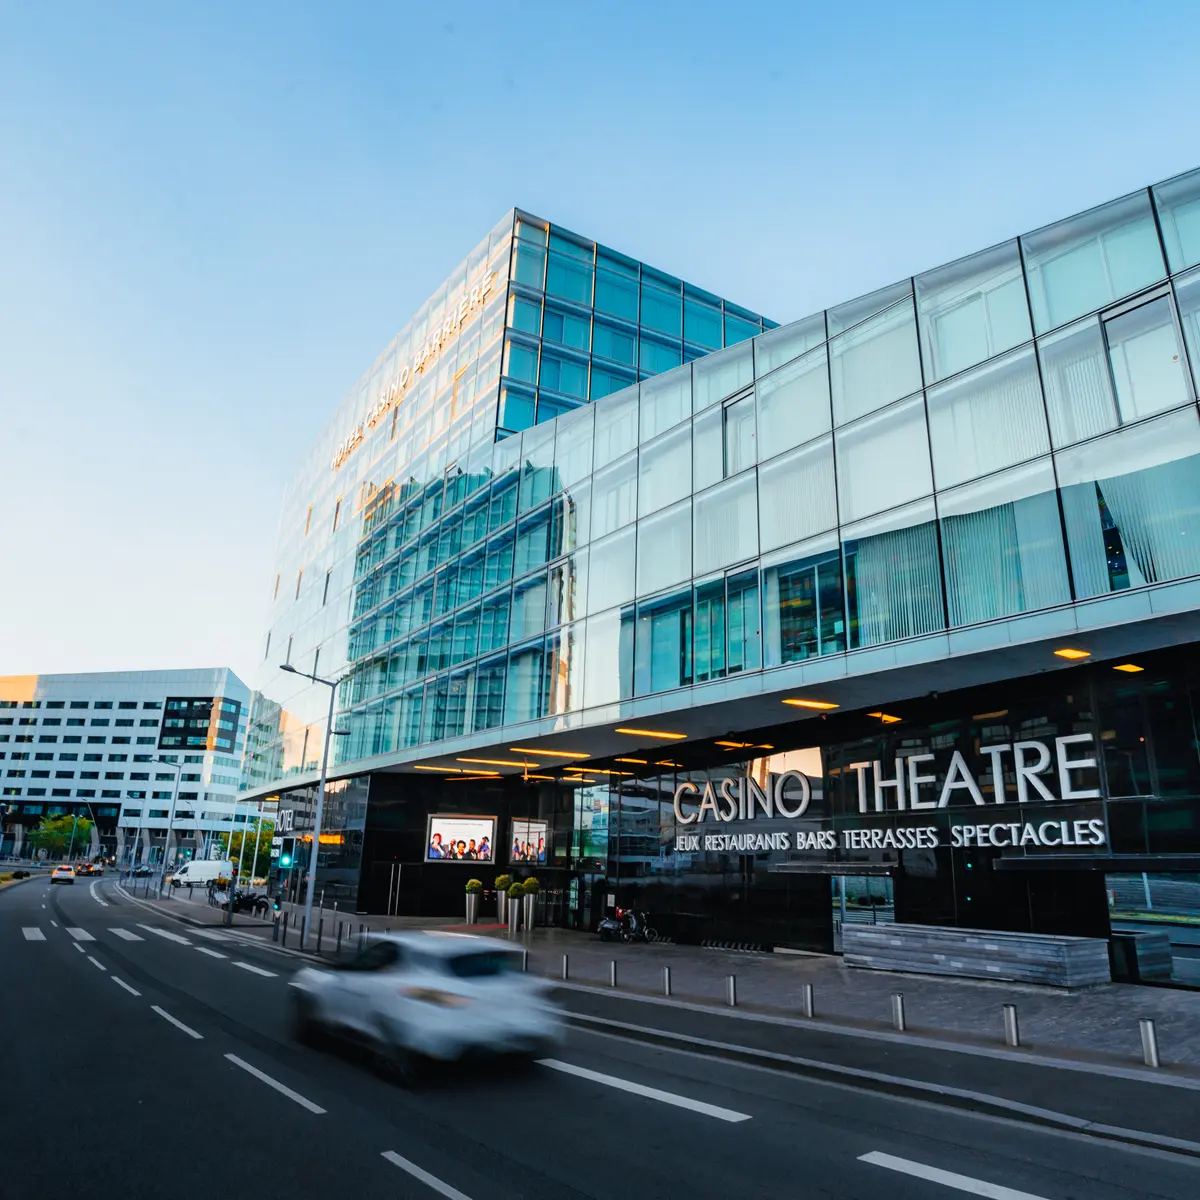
(339, 939)
(275, 930)
(285, 927)
(612, 973)
(1149, 1042)
(320, 931)
(806, 1000)
(564, 966)
(898, 1023)
(303, 931)
(666, 981)
(525, 962)
(731, 991)
(361, 927)
(1012, 1028)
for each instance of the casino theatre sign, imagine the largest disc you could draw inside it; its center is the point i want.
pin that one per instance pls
(907, 784)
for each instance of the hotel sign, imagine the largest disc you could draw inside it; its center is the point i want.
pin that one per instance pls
(471, 303)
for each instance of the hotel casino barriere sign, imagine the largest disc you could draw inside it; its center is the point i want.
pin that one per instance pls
(438, 339)
(908, 787)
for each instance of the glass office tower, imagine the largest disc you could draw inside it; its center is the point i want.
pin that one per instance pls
(940, 487)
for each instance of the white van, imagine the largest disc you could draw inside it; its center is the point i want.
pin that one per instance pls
(202, 871)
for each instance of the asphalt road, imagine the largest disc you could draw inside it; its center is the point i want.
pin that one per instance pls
(142, 1058)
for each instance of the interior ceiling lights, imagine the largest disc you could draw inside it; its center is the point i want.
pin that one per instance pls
(501, 762)
(544, 753)
(886, 718)
(653, 733)
(1130, 668)
(744, 745)
(1069, 652)
(818, 705)
(641, 762)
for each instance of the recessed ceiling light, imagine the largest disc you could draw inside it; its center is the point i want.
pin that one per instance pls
(654, 733)
(547, 777)
(548, 753)
(1000, 712)
(452, 770)
(1131, 668)
(666, 762)
(1068, 652)
(642, 762)
(500, 762)
(886, 718)
(820, 705)
(571, 780)
(475, 776)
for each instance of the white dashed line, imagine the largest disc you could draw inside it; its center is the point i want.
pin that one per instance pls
(79, 948)
(164, 933)
(257, 970)
(33, 933)
(80, 935)
(127, 935)
(430, 1181)
(303, 1101)
(211, 953)
(121, 983)
(166, 1016)
(54, 923)
(97, 963)
(962, 1183)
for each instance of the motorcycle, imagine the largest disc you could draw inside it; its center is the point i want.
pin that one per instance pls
(628, 925)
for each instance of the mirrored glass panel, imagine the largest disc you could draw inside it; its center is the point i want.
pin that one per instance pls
(803, 607)
(740, 438)
(797, 495)
(883, 460)
(1147, 360)
(614, 496)
(1003, 546)
(1187, 293)
(663, 648)
(1088, 261)
(665, 470)
(875, 363)
(573, 445)
(664, 550)
(971, 310)
(608, 669)
(611, 576)
(1178, 202)
(793, 404)
(987, 419)
(666, 400)
(847, 315)
(1079, 395)
(708, 449)
(716, 376)
(725, 523)
(779, 346)
(616, 430)
(564, 669)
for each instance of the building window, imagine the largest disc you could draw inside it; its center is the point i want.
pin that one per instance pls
(152, 704)
(79, 704)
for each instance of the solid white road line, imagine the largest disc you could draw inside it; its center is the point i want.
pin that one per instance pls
(166, 1016)
(303, 1101)
(80, 935)
(121, 983)
(127, 935)
(97, 963)
(79, 948)
(256, 970)
(963, 1183)
(92, 893)
(211, 953)
(164, 933)
(33, 933)
(430, 1181)
(638, 1089)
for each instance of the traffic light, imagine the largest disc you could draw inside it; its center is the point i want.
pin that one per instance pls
(287, 853)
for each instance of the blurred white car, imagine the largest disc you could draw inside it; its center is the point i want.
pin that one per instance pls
(62, 875)
(414, 996)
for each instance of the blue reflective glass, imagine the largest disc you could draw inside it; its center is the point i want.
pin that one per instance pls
(618, 344)
(516, 409)
(568, 278)
(525, 315)
(803, 608)
(1178, 203)
(663, 644)
(525, 698)
(702, 325)
(709, 628)
(655, 356)
(661, 310)
(564, 375)
(529, 264)
(570, 329)
(738, 330)
(521, 361)
(616, 295)
(744, 644)
(607, 380)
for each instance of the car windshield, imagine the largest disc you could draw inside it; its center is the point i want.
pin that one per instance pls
(481, 964)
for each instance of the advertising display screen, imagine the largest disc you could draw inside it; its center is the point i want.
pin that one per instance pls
(461, 839)
(528, 842)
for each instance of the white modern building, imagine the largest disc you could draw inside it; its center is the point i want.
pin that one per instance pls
(125, 749)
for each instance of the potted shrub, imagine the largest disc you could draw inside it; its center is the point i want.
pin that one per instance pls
(503, 883)
(515, 892)
(474, 887)
(530, 889)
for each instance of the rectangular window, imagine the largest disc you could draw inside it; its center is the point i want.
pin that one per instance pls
(883, 460)
(739, 435)
(797, 495)
(875, 363)
(725, 525)
(615, 343)
(802, 602)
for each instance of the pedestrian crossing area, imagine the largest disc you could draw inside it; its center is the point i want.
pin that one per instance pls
(35, 933)
(136, 933)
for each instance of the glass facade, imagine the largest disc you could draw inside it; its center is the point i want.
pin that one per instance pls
(1012, 433)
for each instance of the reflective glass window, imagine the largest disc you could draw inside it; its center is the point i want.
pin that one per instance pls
(493, 622)
(803, 608)
(797, 495)
(564, 669)
(1178, 203)
(1002, 542)
(498, 566)
(466, 635)
(573, 446)
(568, 590)
(740, 450)
(1079, 395)
(709, 626)
(488, 706)
(564, 374)
(569, 278)
(607, 380)
(1131, 501)
(665, 470)
(971, 310)
(1088, 261)
(725, 524)
(655, 355)
(779, 346)
(743, 646)
(537, 468)
(612, 341)
(520, 361)
(575, 515)
(988, 418)
(569, 328)
(614, 496)
(1146, 360)
(528, 614)
(893, 580)
(661, 310)
(738, 329)
(716, 376)
(702, 325)
(847, 315)
(1187, 294)
(616, 295)
(503, 506)
(529, 264)
(516, 409)
(665, 401)
(550, 408)
(875, 363)
(883, 460)
(616, 427)
(663, 646)
(533, 541)
(525, 314)
(608, 669)
(664, 545)
(793, 404)
(611, 576)
(708, 449)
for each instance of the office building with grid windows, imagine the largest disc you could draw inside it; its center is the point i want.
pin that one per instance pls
(783, 622)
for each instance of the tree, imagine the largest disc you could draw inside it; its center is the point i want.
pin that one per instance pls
(243, 855)
(54, 835)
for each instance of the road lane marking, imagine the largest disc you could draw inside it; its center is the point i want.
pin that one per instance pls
(283, 1089)
(166, 1016)
(208, 933)
(211, 953)
(257, 970)
(962, 1183)
(33, 933)
(97, 963)
(164, 933)
(92, 893)
(121, 983)
(128, 935)
(638, 1089)
(54, 923)
(80, 935)
(430, 1181)
(79, 948)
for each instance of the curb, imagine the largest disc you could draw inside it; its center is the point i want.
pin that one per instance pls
(13, 882)
(892, 1085)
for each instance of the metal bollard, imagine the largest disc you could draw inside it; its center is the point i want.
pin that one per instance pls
(361, 927)
(1012, 1028)
(525, 961)
(564, 967)
(612, 973)
(275, 930)
(1149, 1042)
(339, 939)
(806, 1000)
(731, 991)
(285, 927)
(666, 981)
(898, 1012)
(320, 931)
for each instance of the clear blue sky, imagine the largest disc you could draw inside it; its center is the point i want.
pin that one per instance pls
(213, 216)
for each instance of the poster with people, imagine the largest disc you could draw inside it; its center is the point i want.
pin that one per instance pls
(528, 842)
(461, 839)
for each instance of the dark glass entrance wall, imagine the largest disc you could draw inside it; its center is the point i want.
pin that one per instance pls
(339, 863)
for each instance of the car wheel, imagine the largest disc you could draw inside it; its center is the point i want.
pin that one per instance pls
(305, 1026)
(396, 1063)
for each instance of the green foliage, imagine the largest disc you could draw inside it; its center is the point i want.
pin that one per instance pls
(531, 886)
(503, 883)
(54, 835)
(243, 855)
(515, 891)
(474, 886)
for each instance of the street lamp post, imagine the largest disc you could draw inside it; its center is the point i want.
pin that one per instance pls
(332, 685)
(162, 869)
